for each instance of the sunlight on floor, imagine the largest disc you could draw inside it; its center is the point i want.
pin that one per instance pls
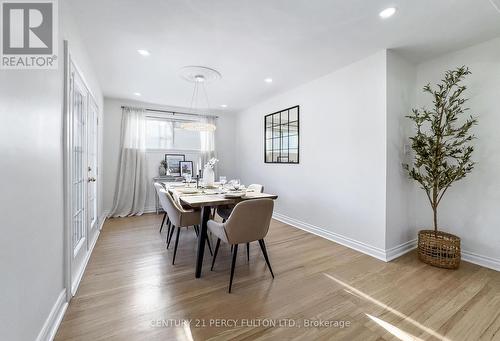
(400, 334)
(385, 306)
(147, 294)
(147, 298)
(187, 331)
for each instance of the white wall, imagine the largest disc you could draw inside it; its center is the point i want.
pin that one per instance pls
(350, 186)
(31, 179)
(471, 207)
(400, 217)
(224, 136)
(338, 189)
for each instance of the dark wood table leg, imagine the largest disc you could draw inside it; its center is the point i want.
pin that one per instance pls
(202, 236)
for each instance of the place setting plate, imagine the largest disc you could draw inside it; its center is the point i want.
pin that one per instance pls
(188, 190)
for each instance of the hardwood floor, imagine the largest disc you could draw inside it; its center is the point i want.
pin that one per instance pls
(130, 291)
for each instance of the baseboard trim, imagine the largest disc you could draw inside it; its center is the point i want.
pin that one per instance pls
(467, 256)
(334, 237)
(485, 261)
(151, 209)
(399, 250)
(383, 255)
(54, 319)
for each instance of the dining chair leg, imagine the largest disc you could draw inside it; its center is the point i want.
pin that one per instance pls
(163, 221)
(215, 253)
(248, 252)
(176, 243)
(169, 239)
(264, 252)
(235, 252)
(209, 246)
(169, 232)
(169, 225)
(231, 248)
(196, 230)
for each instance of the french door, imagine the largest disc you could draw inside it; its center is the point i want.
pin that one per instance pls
(83, 147)
(92, 150)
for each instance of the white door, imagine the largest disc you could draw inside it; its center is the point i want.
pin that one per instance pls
(92, 135)
(78, 116)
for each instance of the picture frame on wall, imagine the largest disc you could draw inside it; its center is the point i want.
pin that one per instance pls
(173, 163)
(186, 168)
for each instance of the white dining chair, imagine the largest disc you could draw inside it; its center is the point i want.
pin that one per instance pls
(158, 186)
(225, 211)
(179, 217)
(257, 188)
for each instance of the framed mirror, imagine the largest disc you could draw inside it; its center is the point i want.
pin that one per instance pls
(281, 136)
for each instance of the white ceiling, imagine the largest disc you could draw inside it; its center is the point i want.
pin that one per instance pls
(292, 41)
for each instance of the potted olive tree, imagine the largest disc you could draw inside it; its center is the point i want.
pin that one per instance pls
(443, 150)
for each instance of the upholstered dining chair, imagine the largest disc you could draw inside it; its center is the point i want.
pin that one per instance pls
(179, 217)
(249, 221)
(225, 211)
(256, 188)
(158, 186)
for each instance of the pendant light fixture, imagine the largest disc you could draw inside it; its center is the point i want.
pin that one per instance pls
(199, 75)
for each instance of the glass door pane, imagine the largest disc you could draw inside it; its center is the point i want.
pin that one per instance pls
(92, 136)
(78, 164)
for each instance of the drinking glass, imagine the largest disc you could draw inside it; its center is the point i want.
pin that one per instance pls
(222, 180)
(188, 178)
(236, 184)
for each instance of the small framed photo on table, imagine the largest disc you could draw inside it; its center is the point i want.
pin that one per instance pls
(186, 168)
(173, 166)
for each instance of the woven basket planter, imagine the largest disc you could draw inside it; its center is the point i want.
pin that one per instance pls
(439, 249)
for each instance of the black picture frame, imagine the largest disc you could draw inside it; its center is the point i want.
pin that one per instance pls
(188, 170)
(172, 161)
(282, 136)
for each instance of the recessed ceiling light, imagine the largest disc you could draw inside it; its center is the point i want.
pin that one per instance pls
(138, 94)
(223, 105)
(144, 53)
(387, 13)
(268, 80)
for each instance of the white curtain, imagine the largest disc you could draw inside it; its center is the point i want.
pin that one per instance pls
(208, 142)
(131, 184)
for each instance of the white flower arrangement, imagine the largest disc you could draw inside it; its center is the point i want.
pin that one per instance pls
(211, 163)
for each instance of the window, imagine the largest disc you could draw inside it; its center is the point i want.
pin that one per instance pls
(186, 139)
(163, 133)
(159, 133)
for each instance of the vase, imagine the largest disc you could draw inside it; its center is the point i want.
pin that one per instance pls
(162, 171)
(208, 176)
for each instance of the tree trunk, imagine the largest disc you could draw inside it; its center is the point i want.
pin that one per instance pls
(434, 210)
(435, 205)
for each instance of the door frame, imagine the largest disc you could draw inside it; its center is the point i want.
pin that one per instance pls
(70, 63)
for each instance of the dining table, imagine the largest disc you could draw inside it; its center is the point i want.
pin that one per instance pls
(205, 200)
